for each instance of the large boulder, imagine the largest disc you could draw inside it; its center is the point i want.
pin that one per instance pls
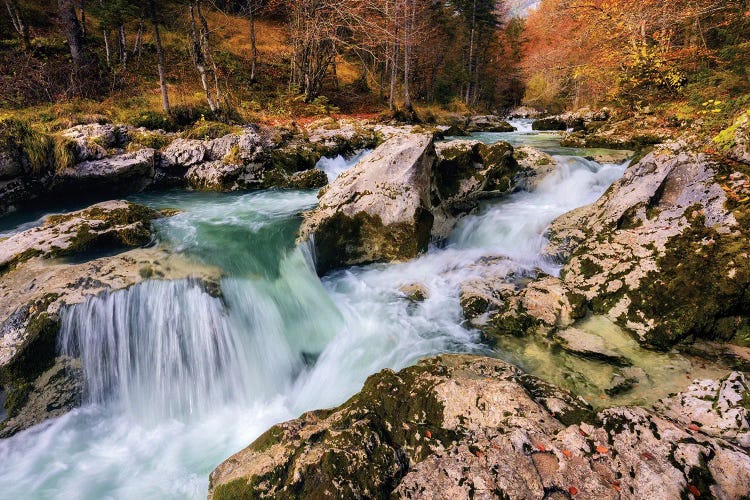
(378, 210)
(127, 172)
(461, 427)
(488, 123)
(549, 124)
(93, 141)
(105, 226)
(467, 171)
(666, 251)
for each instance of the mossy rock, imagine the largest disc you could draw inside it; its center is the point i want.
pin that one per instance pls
(549, 124)
(342, 240)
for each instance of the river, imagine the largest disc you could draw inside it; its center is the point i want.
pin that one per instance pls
(177, 380)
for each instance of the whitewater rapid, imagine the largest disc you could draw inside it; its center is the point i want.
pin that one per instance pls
(177, 379)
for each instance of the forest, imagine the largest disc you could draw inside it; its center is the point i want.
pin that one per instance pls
(237, 59)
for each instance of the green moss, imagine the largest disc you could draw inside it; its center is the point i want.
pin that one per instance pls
(589, 268)
(341, 240)
(269, 438)
(154, 140)
(207, 130)
(37, 353)
(700, 288)
(16, 399)
(233, 490)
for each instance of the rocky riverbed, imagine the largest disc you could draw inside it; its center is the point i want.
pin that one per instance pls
(659, 262)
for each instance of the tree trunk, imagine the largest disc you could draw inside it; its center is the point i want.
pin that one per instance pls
(198, 56)
(73, 32)
(18, 24)
(407, 53)
(83, 20)
(471, 50)
(253, 45)
(208, 53)
(138, 39)
(159, 58)
(107, 49)
(122, 47)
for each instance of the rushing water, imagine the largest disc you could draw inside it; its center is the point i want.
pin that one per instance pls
(177, 380)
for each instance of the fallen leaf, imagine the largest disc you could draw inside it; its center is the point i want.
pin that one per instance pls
(573, 490)
(693, 427)
(567, 453)
(479, 454)
(695, 491)
(540, 447)
(602, 449)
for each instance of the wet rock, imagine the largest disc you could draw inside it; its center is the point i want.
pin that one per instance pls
(465, 172)
(537, 165)
(549, 124)
(416, 292)
(33, 290)
(488, 123)
(106, 226)
(307, 179)
(590, 346)
(378, 210)
(662, 253)
(717, 408)
(462, 426)
(57, 391)
(501, 304)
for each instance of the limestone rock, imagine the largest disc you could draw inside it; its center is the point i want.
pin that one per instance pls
(547, 124)
(33, 290)
(93, 140)
(663, 253)
(488, 123)
(465, 172)
(184, 153)
(537, 165)
(119, 172)
(498, 303)
(57, 391)
(717, 408)
(108, 225)
(416, 292)
(463, 426)
(378, 210)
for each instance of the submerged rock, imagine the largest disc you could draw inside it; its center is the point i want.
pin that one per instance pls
(463, 426)
(588, 345)
(378, 210)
